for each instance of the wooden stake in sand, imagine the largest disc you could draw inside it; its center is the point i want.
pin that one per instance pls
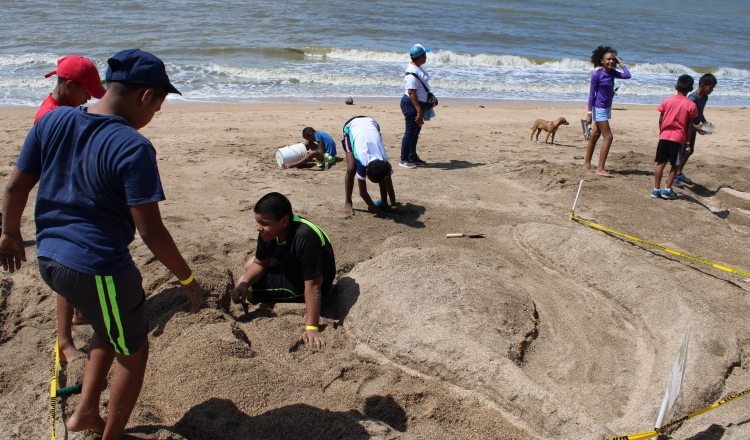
(464, 235)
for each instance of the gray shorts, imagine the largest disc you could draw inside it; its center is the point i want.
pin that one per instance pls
(115, 304)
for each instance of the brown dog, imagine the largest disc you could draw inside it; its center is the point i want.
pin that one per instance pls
(549, 127)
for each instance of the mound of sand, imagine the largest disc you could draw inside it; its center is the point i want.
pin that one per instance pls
(448, 313)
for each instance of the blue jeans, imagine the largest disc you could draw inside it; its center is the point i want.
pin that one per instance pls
(411, 133)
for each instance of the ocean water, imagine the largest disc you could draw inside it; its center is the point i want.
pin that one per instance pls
(316, 49)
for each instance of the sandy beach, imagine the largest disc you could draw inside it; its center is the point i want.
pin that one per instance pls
(543, 329)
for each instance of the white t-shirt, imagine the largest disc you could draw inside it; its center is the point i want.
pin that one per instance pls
(413, 83)
(367, 144)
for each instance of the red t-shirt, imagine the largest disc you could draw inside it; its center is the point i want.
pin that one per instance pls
(678, 113)
(47, 106)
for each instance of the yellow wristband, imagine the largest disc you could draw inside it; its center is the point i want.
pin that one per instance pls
(188, 280)
(687, 143)
(311, 327)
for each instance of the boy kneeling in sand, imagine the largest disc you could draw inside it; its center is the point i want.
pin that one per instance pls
(86, 216)
(321, 147)
(293, 262)
(365, 157)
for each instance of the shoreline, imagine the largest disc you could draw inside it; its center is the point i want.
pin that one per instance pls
(368, 101)
(377, 100)
(371, 100)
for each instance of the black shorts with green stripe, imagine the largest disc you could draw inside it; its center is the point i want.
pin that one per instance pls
(115, 304)
(276, 286)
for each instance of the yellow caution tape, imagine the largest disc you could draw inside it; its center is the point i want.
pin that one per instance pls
(668, 426)
(664, 248)
(53, 388)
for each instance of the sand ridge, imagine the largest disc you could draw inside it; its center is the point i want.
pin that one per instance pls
(596, 321)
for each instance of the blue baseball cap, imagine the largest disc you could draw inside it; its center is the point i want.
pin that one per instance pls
(139, 67)
(418, 50)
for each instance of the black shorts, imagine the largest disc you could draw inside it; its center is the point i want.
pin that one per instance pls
(115, 304)
(667, 151)
(276, 286)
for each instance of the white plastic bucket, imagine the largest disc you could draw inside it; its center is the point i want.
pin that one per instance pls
(290, 154)
(708, 128)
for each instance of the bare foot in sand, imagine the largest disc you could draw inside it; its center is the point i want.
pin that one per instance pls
(588, 167)
(604, 173)
(79, 319)
(68, 351)
(93, 422)
(348, 209)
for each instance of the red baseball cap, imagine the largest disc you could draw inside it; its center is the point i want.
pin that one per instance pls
(79, 69)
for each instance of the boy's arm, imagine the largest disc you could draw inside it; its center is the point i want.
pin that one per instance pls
(310, 156)
(689, 135)
(15, 196)
(382, 186)
(321, 148)
(391, 191)
(313, 296)
(368, 200)
(253, 273)
(349, 177)
(147, 218)
(661, 118)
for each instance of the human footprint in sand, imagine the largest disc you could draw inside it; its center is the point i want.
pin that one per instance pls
(293, 262)
(87, 215)
(601, 93)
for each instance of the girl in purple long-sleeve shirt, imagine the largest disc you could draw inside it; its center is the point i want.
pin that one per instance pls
(600, 103)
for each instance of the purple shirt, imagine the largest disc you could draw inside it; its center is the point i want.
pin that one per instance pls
(603, 87)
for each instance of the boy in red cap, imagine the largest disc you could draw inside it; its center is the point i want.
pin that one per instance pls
(77, 81)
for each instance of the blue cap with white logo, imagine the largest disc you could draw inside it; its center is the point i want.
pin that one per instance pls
(418, 50)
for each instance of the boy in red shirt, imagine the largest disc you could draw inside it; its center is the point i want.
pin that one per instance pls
(675, 129)
(77, 81)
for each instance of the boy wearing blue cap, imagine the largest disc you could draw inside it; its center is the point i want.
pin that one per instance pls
(98, 184)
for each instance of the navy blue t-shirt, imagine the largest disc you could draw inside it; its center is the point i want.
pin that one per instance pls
(92, 168)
